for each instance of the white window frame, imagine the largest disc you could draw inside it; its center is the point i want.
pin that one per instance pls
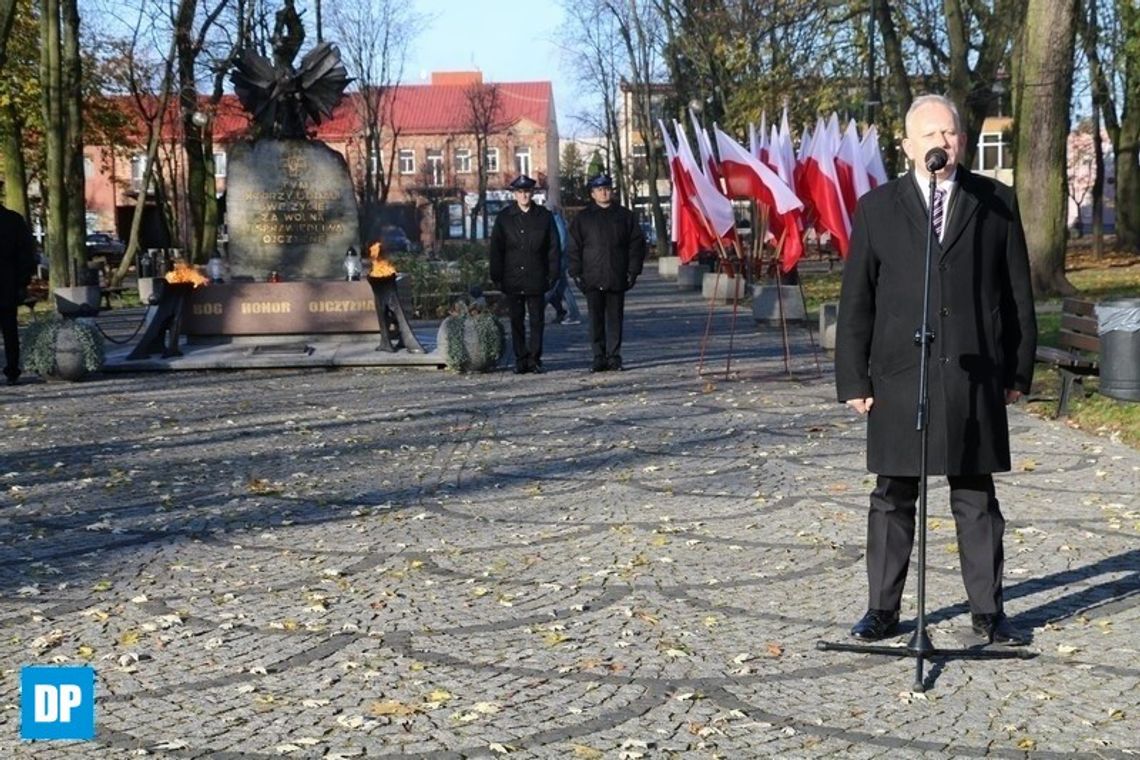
(407, 159)
(434, 161)
(220, 164)
(994, 140)
(138, 170)
(523, 161)
(463, 161)
(492, 160)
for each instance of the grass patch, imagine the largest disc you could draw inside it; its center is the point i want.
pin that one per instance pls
(1088, 409)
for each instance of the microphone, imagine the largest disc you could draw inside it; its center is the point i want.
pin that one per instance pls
(936, 159)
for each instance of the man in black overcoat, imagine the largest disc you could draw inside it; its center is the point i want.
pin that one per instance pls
(606, 252)
(17, 265)
(524, 263)
(981, 359)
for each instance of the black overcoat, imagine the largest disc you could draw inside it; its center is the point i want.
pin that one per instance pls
(17, 257)
(981, 313)
(524, 250)
(606, 249)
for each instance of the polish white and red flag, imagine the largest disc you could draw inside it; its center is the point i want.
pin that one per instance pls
(688, 230)
(873, 158)
(748, 177)
(801, 161)
(782, 154)
(851, 168)
(756, 143)
(819, 186)
(714, 211)
(708, 163)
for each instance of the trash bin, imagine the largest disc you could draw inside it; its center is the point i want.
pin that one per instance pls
(1118, 323)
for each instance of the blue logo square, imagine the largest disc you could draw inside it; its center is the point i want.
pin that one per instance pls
(57, 702)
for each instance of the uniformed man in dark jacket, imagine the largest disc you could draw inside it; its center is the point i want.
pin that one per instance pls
(17, 265)
(606, 251)
(985, 333)
(524, 264)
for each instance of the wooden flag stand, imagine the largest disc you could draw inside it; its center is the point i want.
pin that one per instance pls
(754, 265)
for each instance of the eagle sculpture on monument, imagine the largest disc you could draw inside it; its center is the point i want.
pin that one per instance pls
(283, 99)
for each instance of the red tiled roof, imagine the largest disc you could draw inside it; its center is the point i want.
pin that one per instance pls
(423, 109)
(428, 109)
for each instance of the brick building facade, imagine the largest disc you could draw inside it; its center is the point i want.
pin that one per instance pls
(434, 171)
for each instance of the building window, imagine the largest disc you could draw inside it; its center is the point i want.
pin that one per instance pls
(463, 161)
(435, 167)
(219, 164)
(88, 168)
(492, 160)
(640, 157)
(522, 161)
(138, 169)
(993, 152)
(407, 161)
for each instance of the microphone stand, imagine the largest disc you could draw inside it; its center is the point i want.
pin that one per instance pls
(920, 646)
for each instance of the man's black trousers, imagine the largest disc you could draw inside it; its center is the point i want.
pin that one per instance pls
(528, 348)
(11, 331)
(607, 308)
(890, 536)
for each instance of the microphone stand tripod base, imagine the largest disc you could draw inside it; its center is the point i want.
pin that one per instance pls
(921, 647)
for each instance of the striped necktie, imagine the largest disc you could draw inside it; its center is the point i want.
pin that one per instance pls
(936, 212)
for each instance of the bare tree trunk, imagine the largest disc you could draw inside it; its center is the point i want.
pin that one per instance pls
(1098, 184)
(1124, 132)
(72, 97)
(15, 172)
(7, 17)
(1044, 86)
(893, 52)
(1088, 27)
(1128, 177)
(54, 146)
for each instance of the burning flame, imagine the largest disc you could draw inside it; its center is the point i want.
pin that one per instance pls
(380, 265)
(183, 272)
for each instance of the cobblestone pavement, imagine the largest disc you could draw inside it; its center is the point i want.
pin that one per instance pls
(621, 565)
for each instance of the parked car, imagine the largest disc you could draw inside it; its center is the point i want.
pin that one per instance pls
(100, 244)
(650, 233)
(395, 240)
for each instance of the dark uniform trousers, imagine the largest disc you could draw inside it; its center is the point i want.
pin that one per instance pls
(528, 348)
(890, 535)
(607, 309)
(9, 326)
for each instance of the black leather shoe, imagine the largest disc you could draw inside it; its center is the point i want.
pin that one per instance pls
(599, 365)
(521, 369)
(613, 364)
(876, 624)
(995, 628)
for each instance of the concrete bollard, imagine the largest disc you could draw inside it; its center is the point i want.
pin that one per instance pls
(766, 303)
(689, 276)
(667, 266)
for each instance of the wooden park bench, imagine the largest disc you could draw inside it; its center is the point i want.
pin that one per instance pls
(1077, 354)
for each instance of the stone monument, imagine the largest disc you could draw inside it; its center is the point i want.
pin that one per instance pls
(290, 204)
(291, 209)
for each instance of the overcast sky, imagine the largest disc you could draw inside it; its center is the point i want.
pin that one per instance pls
(506, 41)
